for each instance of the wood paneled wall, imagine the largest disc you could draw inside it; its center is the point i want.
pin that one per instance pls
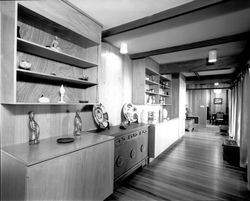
(53, 121)
(218, 107)
(182, 105)
(115, 81)
(197, 102)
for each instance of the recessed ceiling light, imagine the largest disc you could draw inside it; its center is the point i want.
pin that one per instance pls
(212, 56)
(124, 48)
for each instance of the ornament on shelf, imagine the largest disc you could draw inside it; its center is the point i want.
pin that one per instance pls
(54, 45)
(84, 77)
(18, 32)
(26, 65)
(77, 124)
(43, 99)
(62, 92)
(34, 129)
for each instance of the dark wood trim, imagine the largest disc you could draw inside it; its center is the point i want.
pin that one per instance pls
(198, 65)
(225, 78)
(207, 88)
(162, 16)
(205, 43)
(197, 74)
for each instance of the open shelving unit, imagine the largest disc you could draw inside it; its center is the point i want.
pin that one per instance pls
(30, 31)
(48, 53)
(151, 88)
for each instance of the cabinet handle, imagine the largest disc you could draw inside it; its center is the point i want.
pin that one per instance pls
(132, 153)
(142, 148)
(119, 161)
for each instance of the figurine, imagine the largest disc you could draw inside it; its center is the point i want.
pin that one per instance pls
(43, 99)
(77, 124)
(34, 129)
(54, 44)
(62, 91)
(26, 65)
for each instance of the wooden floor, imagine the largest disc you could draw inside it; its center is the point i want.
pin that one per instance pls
(193, 170)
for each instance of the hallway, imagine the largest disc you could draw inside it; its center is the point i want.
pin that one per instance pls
(193, 170)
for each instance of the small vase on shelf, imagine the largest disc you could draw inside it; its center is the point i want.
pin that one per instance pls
(62, 92)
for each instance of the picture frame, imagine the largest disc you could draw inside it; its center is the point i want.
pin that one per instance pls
(218, 100)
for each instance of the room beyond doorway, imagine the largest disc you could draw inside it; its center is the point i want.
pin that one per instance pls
(209, 106)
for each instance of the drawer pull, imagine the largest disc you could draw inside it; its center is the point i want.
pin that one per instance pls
(132, 153)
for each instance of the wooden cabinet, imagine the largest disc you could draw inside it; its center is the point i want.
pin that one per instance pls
(28, 29)
(149, 86)
(82, 170)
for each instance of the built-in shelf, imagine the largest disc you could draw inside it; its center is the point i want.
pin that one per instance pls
(82, 83)
(164, 87)
(151, 93)
(162, 77)
(149, 82)
(165, 95)
(151, 72)
(61, 31)
(48, 53)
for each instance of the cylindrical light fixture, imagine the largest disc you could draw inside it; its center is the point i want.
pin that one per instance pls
(124, 48)
(212, 56)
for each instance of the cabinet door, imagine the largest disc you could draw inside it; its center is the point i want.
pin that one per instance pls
(82, 175)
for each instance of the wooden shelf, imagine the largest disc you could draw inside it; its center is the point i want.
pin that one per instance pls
(165, 87)
(151, 72)
(149, 82)
(162, 77)
(82, 83)
(151, 93)
(39, 50)
(60, 30)
(165, 95)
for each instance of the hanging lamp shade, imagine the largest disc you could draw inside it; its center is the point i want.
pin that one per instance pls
(124, 48)
(212, 56)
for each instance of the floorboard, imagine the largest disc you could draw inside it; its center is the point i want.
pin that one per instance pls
(193, 170)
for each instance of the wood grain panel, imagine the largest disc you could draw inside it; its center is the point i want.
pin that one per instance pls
(197, 102)
(139, 87)
(74, 21)
(83, 175)
(8, 50)
(12, 170)
(53, 121)
(111, 81)
(151, 64)
(41, 36)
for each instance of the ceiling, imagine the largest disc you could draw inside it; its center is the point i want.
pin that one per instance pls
(176, 31)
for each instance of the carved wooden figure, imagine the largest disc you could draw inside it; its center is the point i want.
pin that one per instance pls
(34, 129)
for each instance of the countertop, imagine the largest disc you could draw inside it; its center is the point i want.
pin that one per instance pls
(48, 148)
(116, 131)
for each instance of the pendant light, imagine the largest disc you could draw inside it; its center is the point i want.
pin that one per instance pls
(124, 48)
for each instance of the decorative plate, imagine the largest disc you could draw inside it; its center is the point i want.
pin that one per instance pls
(129, 111)
(100, 116)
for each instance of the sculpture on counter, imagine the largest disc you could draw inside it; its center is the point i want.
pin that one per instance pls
(62, 92)
(77, 124)
(34, 129)
(129, 115)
